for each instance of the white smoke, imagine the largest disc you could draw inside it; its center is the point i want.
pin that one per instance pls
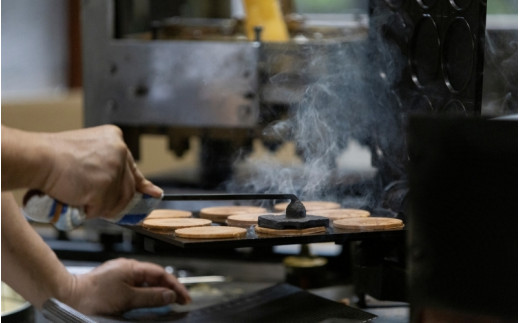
(348, 103)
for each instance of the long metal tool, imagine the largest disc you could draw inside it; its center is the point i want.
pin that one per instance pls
(228, 197)
(42, 208)
(295, 216)
(295, 213)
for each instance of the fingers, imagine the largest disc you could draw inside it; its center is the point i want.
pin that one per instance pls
(110, 202)
(152, 297)
(153, 275)
(130, 180)
(183, 297)
(126, 189)
(126, 179)
(141, 183)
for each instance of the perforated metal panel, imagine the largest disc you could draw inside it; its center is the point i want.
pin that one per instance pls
(443, 42)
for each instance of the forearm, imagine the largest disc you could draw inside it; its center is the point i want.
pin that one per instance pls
(28, 264)
(24, 159)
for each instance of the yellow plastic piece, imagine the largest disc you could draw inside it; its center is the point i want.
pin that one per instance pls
(268, 15)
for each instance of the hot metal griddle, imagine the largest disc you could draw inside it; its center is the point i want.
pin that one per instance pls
(252, 239)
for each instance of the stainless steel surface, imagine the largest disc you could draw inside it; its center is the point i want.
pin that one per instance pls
(186, 280)
(201, 279)
(222, 88)
(132, 82)
(58, 312)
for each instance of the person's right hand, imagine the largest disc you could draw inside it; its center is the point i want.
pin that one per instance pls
(123, 284)
(94, 169)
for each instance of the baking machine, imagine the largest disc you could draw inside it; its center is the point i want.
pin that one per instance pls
(186, 68)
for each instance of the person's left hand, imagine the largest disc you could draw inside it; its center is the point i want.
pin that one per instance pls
(120, 285)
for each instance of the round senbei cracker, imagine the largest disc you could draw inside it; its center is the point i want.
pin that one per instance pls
(244, 220)
(309, 205)
(370, 223)
(220, 213)
(211, 232)
(172, 224)
(168, 213)
(289, 232)
(336, 214)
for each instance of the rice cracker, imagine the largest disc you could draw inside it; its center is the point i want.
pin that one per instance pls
(169, 213)
(368, 224)
(211, 232)
(336, 214)
(289, 232)
(219, 214)
(172, 224)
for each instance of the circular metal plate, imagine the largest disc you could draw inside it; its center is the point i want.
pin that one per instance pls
(426, 4)
(425, 52)
(421, 103)
(458, 55)
(454, 106)
(460, 4)
(394, 4)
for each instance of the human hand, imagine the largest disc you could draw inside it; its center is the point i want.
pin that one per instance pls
(124, 284)
(93, 168)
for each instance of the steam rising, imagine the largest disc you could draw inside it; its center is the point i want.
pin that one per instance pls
(500, 86)
(349, 100)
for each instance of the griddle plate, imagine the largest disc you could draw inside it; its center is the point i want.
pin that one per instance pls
(252, 239)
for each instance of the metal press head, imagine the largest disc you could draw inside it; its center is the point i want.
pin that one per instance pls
(295, 218)
(295, 210)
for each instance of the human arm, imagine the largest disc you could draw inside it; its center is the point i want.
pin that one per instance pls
(90, 168)
(31, 268)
